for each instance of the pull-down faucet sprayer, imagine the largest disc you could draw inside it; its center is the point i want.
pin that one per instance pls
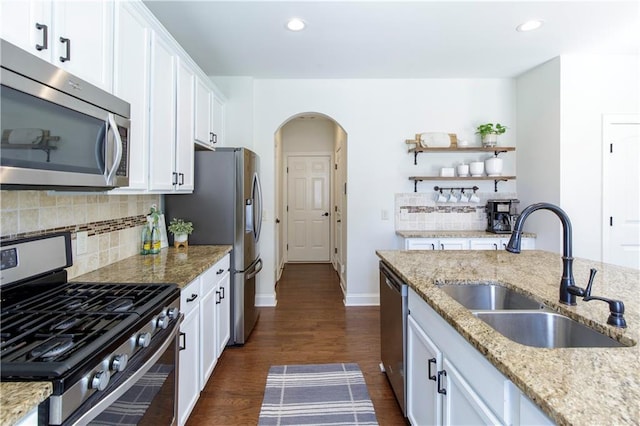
(567, 259)
(568, 288)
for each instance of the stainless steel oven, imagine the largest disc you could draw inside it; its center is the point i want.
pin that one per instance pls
(110, 350)
(58, 130)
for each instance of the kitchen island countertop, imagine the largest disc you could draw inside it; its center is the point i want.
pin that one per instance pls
(169, 266)
(573, 386)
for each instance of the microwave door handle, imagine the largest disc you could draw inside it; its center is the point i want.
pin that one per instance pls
(118, 142)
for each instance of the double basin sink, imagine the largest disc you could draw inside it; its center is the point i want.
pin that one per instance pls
(524, 320)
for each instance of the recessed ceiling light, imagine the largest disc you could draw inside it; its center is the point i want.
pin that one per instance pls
(295, 24)
(531, 25)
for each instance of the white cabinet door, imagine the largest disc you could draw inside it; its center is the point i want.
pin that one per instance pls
(486, 243)
(208, 327)
(87, 27)
(184, 128)
(454, 244)
(131, 83)
(217, 120)
(74, 35)
(421, 244)
(27, 24)
(162, 116)
(203, 113)
(223, 318)
(461, 404)
(423, 362)
(189, 355)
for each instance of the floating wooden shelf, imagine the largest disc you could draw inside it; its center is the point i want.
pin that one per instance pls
(495, 149)
(495, 179)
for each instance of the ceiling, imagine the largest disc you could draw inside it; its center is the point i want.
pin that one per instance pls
(394, 39)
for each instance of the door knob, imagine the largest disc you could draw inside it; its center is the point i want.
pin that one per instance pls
(325, 214)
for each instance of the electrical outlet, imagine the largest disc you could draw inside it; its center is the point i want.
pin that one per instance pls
(384, 214)
(81, 242)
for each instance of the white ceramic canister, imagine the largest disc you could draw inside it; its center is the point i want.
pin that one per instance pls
(463, 170)
(476, 168)
(493, 166)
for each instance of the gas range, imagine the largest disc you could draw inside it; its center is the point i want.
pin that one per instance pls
(88, 339)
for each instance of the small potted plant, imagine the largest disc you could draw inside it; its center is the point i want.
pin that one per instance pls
(180, 230)
(489, 133)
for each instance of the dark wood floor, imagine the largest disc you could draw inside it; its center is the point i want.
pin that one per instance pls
(310, 325)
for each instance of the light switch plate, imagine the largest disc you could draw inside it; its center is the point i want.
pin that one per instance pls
(384, 214)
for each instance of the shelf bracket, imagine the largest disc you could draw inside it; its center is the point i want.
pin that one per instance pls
(495, 183)
(415, 186)
(415, 158)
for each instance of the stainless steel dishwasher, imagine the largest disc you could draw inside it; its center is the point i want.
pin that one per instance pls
(393, 330)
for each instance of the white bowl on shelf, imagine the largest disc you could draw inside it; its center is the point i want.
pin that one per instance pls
(493, 166)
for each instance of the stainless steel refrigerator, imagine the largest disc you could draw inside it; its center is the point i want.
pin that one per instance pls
(226, 208)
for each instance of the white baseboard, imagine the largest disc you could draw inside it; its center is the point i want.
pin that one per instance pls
(266, 300)
(367, 299)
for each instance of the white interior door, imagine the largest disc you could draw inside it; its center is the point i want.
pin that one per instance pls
(308, 204)
(621, 190)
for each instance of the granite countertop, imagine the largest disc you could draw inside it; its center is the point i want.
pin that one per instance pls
(18, 398)
(169, 266)
(457, 234)
(573, 386)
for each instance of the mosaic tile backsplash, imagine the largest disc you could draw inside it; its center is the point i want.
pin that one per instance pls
(421, 212)
(113, 223)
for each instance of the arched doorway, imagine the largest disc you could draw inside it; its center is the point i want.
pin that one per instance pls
(310, 164)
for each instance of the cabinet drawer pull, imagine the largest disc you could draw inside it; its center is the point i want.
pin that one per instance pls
(440, 388)
(495, 246)
(45, 37)
(431, 376)
(174, 178)
(67, 56)
(192, 298)
(218, 298)
(222, 292)
(214, 138)
(182, 345)
(219, 271)
(181, 178)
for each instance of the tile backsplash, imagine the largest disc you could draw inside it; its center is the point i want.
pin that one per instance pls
(112, 222)
(420, 212)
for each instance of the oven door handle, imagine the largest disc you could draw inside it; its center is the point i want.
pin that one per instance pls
(114, 395)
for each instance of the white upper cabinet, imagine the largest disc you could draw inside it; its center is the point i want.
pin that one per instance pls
(217, 120)
(184, 130)
(131, 83)
(74, 35)
(162, 129)
(209, 122)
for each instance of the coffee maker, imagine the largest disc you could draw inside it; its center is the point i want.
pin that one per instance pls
(501, 215)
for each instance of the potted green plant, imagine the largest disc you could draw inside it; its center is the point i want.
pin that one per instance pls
(489, 133)
(180, 230)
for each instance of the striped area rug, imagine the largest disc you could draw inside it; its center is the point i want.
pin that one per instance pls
(316, 394)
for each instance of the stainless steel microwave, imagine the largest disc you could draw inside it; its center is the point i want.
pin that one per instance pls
(57, 130)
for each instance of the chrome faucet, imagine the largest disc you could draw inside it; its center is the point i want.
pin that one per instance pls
(567, 280)
(568, 288)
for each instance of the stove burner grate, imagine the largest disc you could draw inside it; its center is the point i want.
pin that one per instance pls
(53, 347)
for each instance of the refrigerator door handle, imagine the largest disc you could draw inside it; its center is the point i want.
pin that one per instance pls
(248, 215)
(257, 268)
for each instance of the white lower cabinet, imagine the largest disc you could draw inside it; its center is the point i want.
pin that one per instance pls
(205, 326)
(450, 383)
(488, 243)
(189, 355)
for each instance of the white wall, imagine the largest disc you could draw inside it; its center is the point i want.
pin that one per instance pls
(238, 110)
(378, 115)
(591, 86)
(538, 153)
(560, 106)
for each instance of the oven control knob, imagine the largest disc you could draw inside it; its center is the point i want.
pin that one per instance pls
(119, 362)
(144, 339)
(173, 313)
(100, 380)
(162, 322)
